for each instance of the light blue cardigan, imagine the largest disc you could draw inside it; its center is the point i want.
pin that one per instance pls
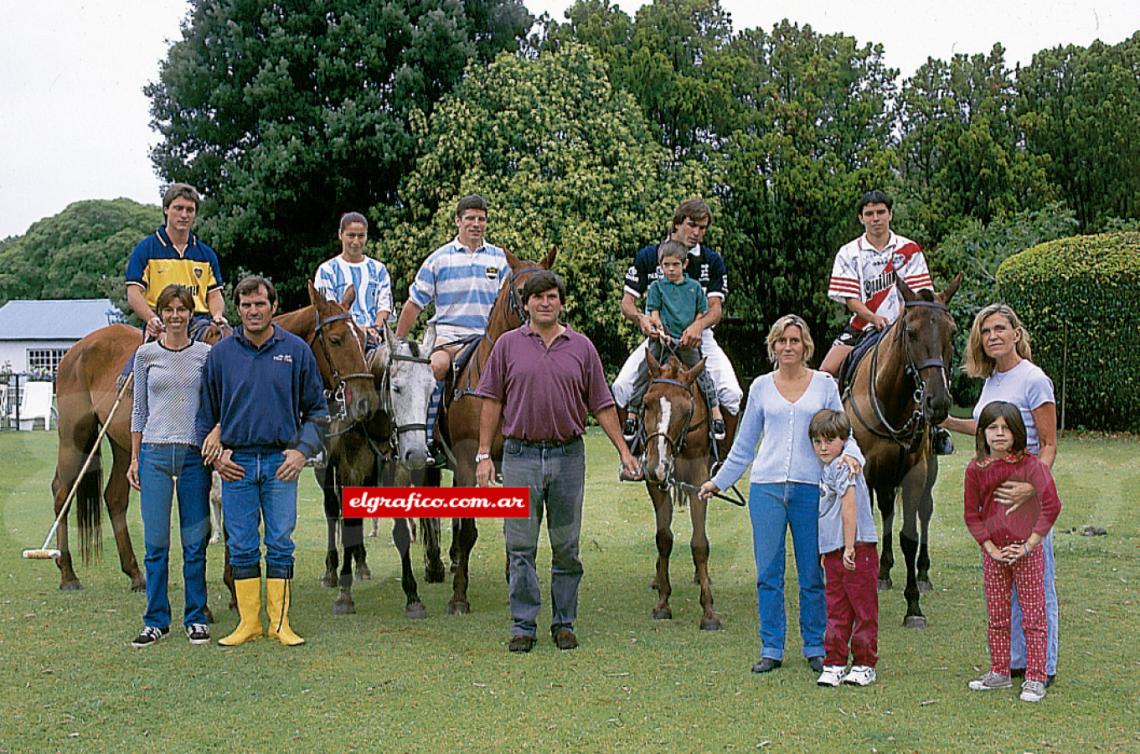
(785, 453)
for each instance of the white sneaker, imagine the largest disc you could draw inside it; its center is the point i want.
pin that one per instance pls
(1032, 691)
(860, 675)
(832, 675)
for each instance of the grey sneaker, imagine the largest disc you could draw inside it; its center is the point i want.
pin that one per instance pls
(198, 633)
(991, 681)
(149, 635)
(1032, 691)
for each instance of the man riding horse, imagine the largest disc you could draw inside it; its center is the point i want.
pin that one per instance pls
(690, 223)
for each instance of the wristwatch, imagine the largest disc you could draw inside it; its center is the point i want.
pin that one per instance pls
(480, 457)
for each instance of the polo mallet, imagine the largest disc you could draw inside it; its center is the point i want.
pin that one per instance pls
(44, 553)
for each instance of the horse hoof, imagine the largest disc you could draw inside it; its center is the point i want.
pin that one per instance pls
(885, 585)
(364, 573)
(925, 587)
(138, 585)
(710, 624)
(70, 586)
(434, 574)
(662, 613)
(914, 621)
(344, 607)
(458, 608)
(328, 581)
(415, 611)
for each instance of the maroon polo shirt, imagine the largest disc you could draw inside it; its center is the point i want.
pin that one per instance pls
(545, 392)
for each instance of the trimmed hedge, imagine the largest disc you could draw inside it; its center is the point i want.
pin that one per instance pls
(1080, 299)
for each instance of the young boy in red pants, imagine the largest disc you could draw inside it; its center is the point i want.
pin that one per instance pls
(847, 550)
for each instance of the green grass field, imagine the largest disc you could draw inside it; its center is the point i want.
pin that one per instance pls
(377, 681)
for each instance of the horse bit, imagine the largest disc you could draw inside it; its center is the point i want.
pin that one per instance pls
(338, 394)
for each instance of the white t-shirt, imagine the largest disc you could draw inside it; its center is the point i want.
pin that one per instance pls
(1025, 386)
(372, 283)
(835, 481)
(861, 271)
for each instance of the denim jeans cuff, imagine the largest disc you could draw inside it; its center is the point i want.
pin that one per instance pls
(278, 572)
(247, 572)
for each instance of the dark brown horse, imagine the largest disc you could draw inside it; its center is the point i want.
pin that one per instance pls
(896, 393)
(675, 464)
(85, 392)
(459, 426)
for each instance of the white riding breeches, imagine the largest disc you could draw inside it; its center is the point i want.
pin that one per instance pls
(728, 389)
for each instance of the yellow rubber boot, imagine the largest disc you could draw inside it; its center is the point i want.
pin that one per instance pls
(249, 608)
(278, 594)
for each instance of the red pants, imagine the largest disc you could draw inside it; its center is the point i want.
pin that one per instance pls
(853, 607)
(1029, 575)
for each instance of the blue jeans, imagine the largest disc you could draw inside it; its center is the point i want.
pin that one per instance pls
(556, 477)
(258, 496)
(1052, 617)
(772, 508)
(159, 464)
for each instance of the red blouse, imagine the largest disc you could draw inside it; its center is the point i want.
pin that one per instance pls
(987, 519)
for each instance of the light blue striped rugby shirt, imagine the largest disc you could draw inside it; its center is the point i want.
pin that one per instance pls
(463, 285)
(369, 277)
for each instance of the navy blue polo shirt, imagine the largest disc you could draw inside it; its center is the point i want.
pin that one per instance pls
(705, 266)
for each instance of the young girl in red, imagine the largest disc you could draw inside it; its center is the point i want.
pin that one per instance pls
(1009, 538)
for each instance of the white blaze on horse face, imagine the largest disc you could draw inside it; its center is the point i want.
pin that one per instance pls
(662, 432)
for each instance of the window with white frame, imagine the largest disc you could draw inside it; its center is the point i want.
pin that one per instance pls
(45, 360)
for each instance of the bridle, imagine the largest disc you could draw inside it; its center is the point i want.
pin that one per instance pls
(908, 435)
(338, 395)
(387, 403)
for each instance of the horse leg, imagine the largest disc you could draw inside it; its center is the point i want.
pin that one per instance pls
(228, 574)
(360, 555)
(352, 538)
(61, 486)
(912, 490)
(463, 544)
(332, 521)
(117, 495)
(434, 571)
(453, 549)
(885, 496)
(663, 515)
(925, 512)
(402, 536)
(698, 513)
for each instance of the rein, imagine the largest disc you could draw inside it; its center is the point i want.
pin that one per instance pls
(910, 433)
(338, 393)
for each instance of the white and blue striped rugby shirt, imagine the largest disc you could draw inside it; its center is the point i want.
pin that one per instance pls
(462, 284)
(371, 280)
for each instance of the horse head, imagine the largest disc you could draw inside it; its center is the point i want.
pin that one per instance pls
(338, 345)
(402, 372)
(509, 310)
(667, 413)
(927, 331)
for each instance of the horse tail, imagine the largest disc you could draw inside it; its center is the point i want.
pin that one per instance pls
(88, 501)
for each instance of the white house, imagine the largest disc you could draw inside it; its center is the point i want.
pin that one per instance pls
(34, 335)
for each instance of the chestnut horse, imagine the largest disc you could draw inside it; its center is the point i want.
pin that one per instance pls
(675, 463)
(85, 392)
(459, 428)
(894, 395)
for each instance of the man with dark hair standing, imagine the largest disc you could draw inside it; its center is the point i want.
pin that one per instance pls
(540, 381)
(262, 388)
(174, 255)
(690, 223)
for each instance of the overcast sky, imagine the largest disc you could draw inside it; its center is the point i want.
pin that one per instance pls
(74, 121)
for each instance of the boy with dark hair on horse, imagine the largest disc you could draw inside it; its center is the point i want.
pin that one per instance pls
(174, 255)
(691, 220)
(1010, 542)
(850, 562)
(462, 279)
(863, 280)
(261, 403)
(673, 303)
(539, 382)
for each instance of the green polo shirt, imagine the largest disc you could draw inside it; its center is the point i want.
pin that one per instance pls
(678, 303)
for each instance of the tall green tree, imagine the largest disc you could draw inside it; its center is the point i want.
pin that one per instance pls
(962, 148)
(80, 253)
(564, 159)
(287, 114)
(1079, 107)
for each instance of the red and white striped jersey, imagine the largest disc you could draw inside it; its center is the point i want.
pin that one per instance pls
(862, 272)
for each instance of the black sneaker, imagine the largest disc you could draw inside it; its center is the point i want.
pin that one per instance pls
(942, 442)
(719, 430)
(629, 429)
(149, 635)
(198, 633)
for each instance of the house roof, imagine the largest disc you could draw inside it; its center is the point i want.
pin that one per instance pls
(55, 319)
